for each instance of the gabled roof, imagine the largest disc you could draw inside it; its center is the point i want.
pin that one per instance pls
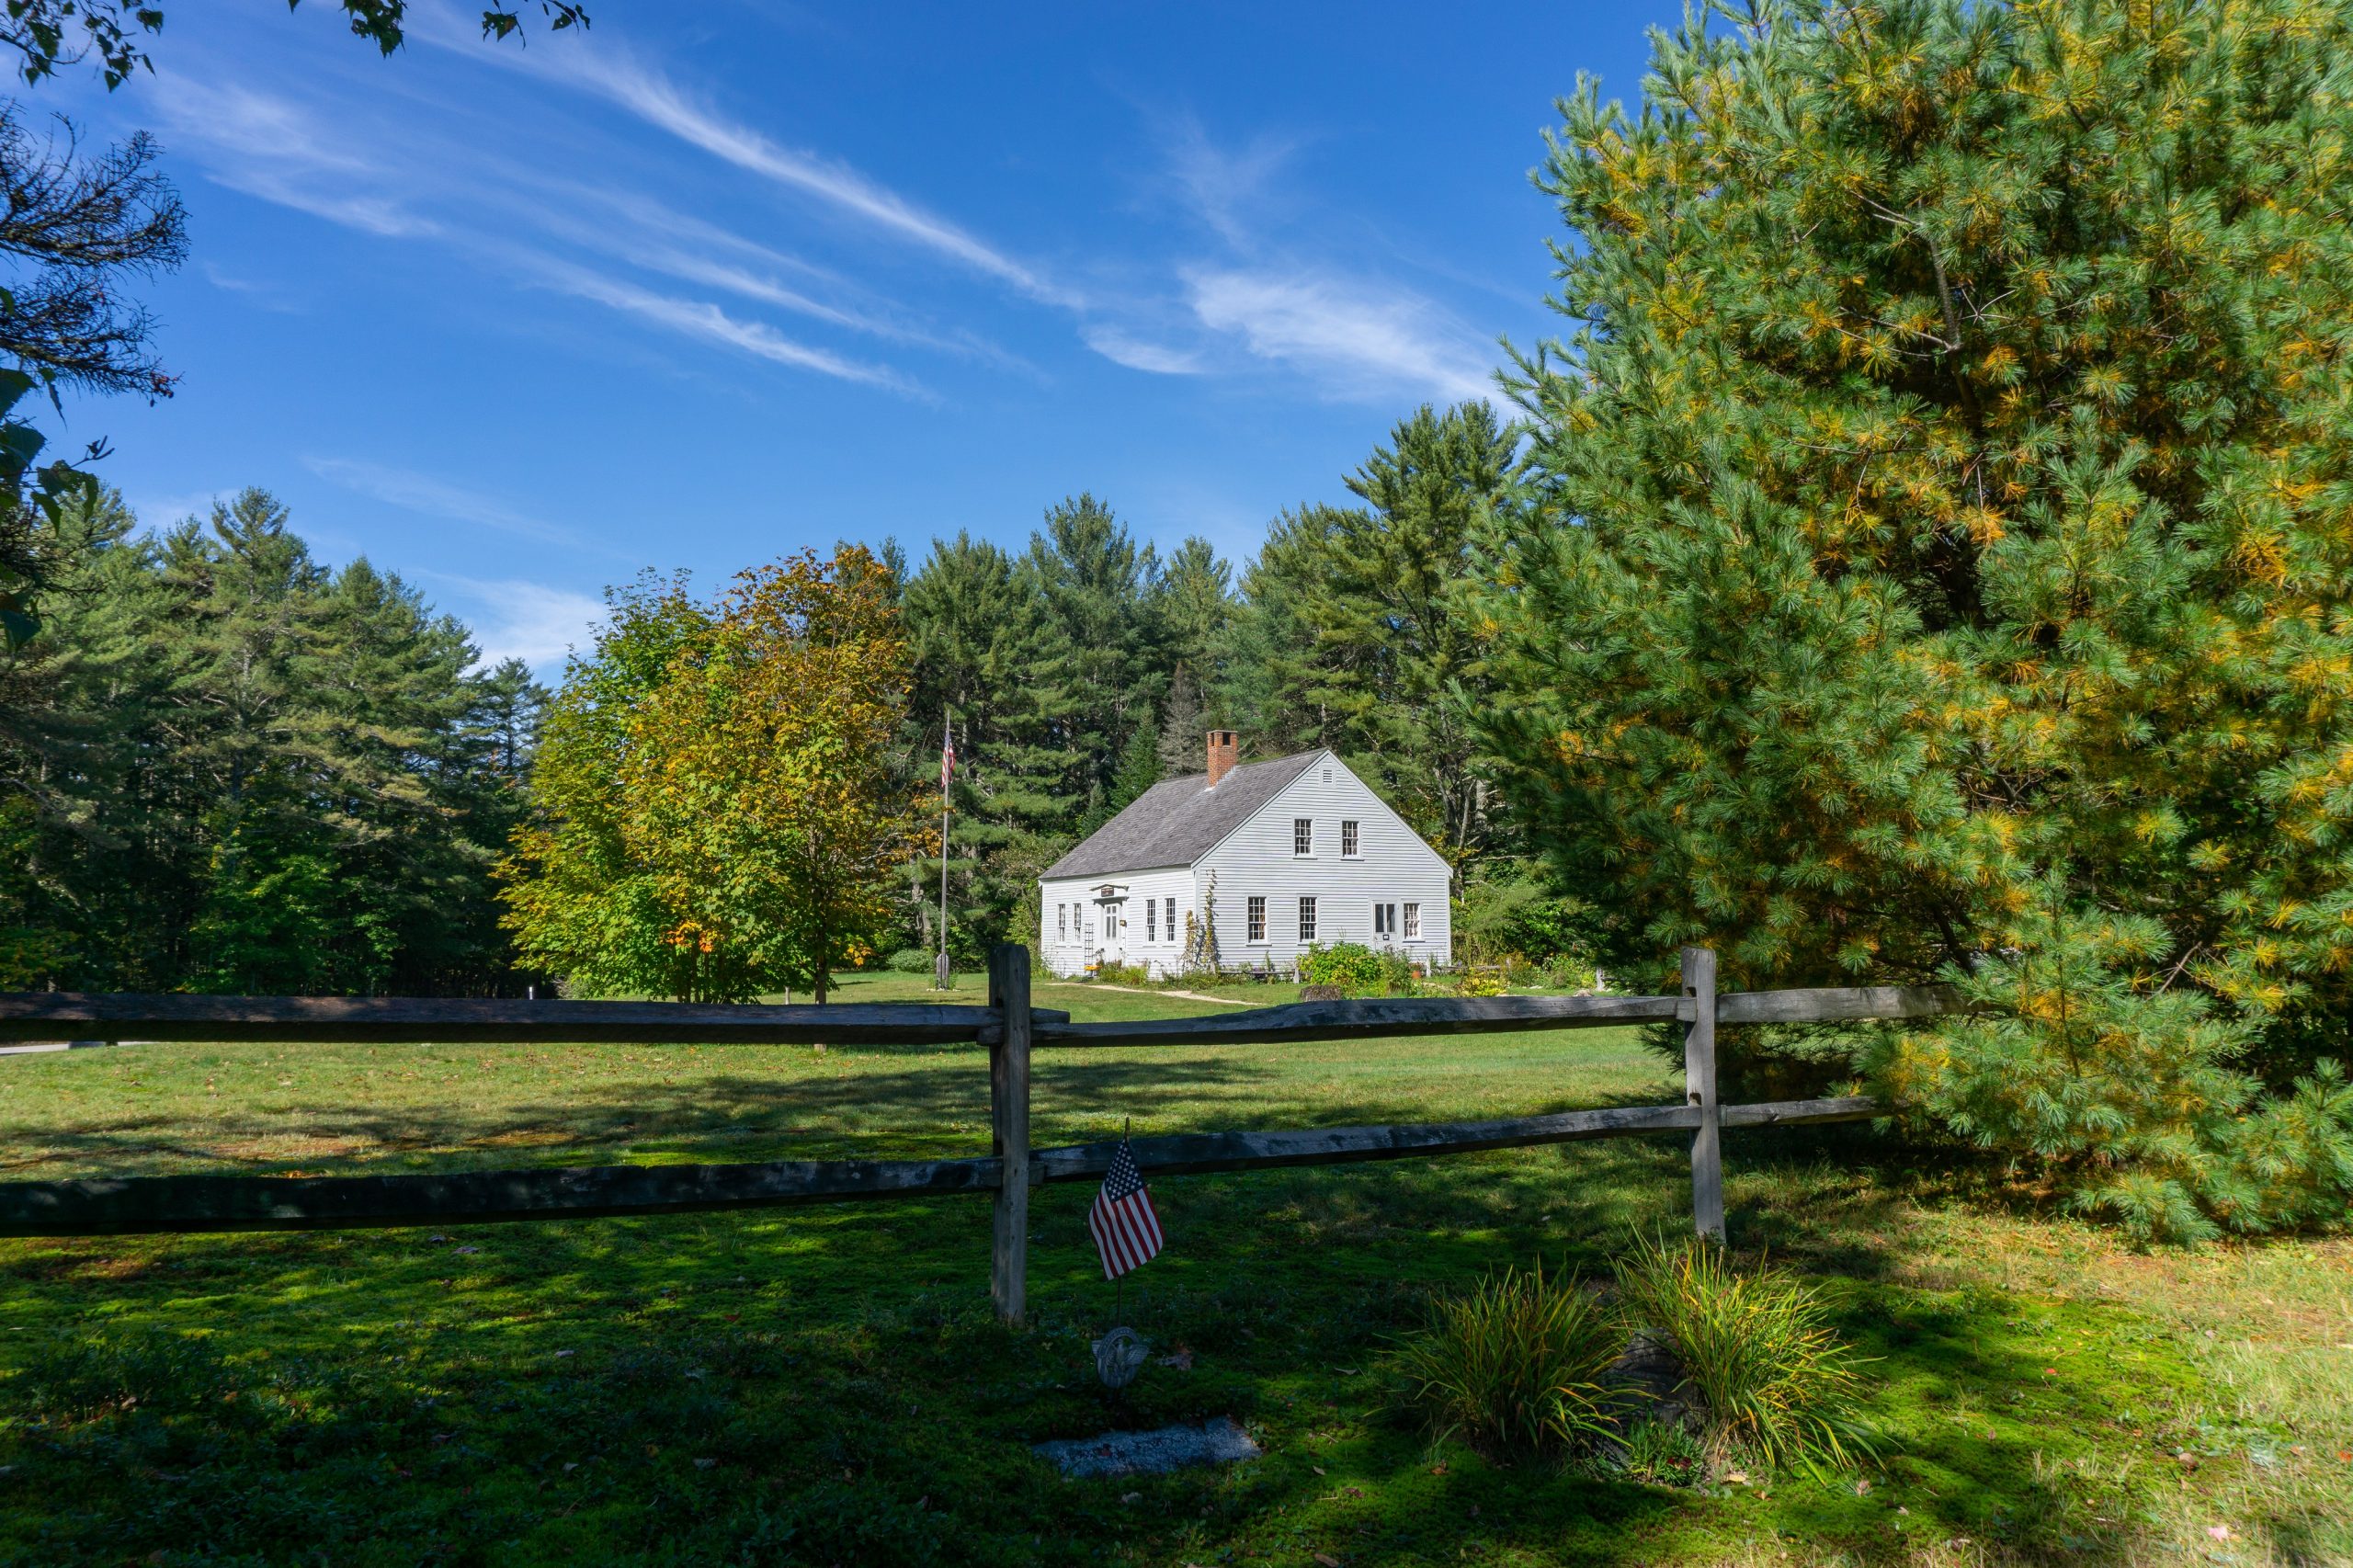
(1177, 820)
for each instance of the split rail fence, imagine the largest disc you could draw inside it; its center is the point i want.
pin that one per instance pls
(1008, 1026)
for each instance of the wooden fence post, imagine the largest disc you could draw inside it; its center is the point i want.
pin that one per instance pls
(1009, 1127)
(1699, 1085)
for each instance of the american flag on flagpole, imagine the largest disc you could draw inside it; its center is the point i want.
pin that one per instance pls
(1126, 1230)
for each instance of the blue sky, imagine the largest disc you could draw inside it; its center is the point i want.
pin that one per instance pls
(707, 284)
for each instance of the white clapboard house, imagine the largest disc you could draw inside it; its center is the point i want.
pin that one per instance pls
(1277, 857)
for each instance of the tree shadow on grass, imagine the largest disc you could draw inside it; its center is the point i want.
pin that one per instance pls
(911, 1112)
(828, 1386)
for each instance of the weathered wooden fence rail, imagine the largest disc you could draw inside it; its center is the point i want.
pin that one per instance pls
(1009, 1026)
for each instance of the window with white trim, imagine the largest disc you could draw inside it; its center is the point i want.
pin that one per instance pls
(1303, 836)
(1384, 922)
(1152, 920)
(1348, 840)
(1170, 906)
(1412, 923)
(1257, 920)
(1307, 919)
(1062, 923)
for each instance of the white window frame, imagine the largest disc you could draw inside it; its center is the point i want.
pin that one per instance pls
(1413, 913)
(1351, 842)
(1062, 922)
(1306, 918)
(1384, 920)
(1255, 914)
(1168, 917)
(1302, 838)
(1152, 920)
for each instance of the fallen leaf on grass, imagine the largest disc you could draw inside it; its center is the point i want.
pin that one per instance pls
(1437, 1470)
(2220, 1532)
(1326, 1558)
(1317, 1468)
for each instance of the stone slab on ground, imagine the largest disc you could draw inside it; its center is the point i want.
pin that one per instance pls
(1220, 1441)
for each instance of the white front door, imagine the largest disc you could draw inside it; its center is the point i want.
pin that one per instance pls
(1108, 945)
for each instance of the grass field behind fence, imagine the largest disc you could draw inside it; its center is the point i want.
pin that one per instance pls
(827, 1385)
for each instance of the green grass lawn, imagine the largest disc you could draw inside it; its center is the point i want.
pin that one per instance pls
(826, 1385)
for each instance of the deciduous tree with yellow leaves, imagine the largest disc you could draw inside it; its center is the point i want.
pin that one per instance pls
(1939, 555)
(722, 807)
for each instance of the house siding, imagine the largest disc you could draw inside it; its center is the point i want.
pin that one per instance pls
(1391, 866)
(1071, 952)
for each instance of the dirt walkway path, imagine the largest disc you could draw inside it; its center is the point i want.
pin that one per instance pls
(1139, 990)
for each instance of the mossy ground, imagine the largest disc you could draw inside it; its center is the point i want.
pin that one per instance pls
(828, 1386)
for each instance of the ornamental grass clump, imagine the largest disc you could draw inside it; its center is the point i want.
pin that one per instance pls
(1516, 1365)
(1778, 1386)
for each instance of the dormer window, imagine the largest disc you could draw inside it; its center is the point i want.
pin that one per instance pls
(1303, 836)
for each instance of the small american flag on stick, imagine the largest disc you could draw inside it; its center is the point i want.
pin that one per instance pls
(1126, 1230)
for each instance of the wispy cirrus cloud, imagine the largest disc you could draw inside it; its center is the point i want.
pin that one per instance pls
(416, 492)
(1356, 338)
(1258, 294)
(612, 73)
(277, 149)
(700, 318)
(1122, 347)
(516, 618)
(271, 147)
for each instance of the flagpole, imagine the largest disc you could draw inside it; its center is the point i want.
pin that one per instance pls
(947, 748)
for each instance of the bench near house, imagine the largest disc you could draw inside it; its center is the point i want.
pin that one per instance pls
(1277, 857)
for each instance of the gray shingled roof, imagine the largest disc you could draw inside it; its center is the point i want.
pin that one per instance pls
(1176, 822)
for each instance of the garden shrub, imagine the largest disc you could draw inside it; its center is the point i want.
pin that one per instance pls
(913, 960)
(1515, 1364)
(1778, 1386)
(1357, 969)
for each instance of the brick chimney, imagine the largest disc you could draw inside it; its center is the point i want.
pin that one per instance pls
(1223, 745)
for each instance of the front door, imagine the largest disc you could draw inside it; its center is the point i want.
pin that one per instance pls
(1110, 931)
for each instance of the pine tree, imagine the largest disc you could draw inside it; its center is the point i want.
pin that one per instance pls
(980, 640)
(1357, 634)
(1138, 766)
(1192, 609)
(1936, 563)
(1181, 750)
(1101, 662)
